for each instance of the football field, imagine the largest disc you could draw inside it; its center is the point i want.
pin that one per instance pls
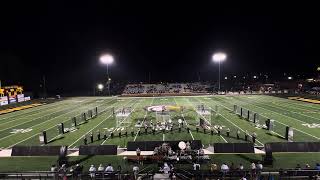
(23, 127)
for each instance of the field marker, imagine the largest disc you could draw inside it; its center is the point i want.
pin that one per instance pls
(34, 109)
(42, 122)
(284, 123)
(163, 137)
(97, 125)
(31, 115)
(260, 114)
(206, 120)
(90, 130)
(279, 121)
(32, 119)
(187, 126)
(294, 112)
(49, 127)
(231, 121)
(123, 120)
(298, 103)
(184, 119)
(144, 118)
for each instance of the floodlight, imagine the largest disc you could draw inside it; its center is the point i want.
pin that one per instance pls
(219, 57)
(289, 77)
(100, 87)
(106, 59)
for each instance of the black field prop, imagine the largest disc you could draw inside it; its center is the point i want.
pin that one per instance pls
(36, 150)
(150, 145)
(98, 150)
(233, 148)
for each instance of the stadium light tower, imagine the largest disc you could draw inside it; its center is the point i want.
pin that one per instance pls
(219, 57)
(100, 87)
(107, 59)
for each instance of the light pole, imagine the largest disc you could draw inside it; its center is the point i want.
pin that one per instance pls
(100, 87)
(219, 57)
(107, 59)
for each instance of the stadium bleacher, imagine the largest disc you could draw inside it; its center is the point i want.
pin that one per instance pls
(168, 88)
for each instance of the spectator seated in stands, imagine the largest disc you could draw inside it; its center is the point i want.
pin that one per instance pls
(77, 170)
(318, 166)
(109, 169)
(100, 168)
(240, 167)
(63, 170)
(196, 166)
(92, 171)
(135, 170)
(54, 168)
(166, 88)
(213, 167)
(307, 166)
(224, 168)
(259, 166)
(166, 168)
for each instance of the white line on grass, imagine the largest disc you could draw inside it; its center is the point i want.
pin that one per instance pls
(40, 123)
(30, 120)
(295, 102)
(90, 131)
(279, 103)
(290, 112)
(25, 117)
(284, 123)
(45, 129)
(122, 121)
(184, 120)
(37, 108)
(232, 122)
(279, 121)
(144, 118)
(187, 126)
(98, 124)
(207, 120)
(260, 114)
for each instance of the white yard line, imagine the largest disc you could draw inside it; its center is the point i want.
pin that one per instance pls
(295, 102)
(45, 129)
(290, 112)
(30, 120)
(279, 121)
(184, 120)
(207, 120)
(144, 118)
(90, 130)
(36, 108)
(163, 137)
(98, 124)
(41, 123)
(284, 123)
(122, 121)
(25, 117)
(232, 122)
(187, 125)
(279, 103)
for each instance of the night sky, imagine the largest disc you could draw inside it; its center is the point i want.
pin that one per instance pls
(64, 42)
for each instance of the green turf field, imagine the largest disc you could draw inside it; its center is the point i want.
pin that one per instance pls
(23, 127)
